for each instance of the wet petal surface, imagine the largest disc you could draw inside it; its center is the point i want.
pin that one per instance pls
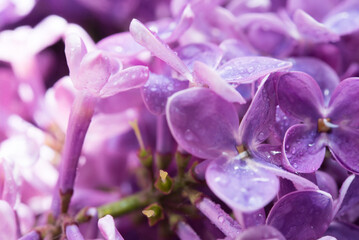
(303, 215)
(303, 150)
(203, 123)
(242, 186)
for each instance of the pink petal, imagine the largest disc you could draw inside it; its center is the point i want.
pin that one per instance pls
(146, 38)
(312, 30)
(108, 228)
(46, 33)
(249, 69)
(206, 75)
(8, 222)
(94, 72)
(129, 78)
(75, 50)
(207, 53)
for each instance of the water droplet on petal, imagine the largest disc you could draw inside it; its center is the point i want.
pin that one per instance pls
(188, 135)
(221, 219)
(261, 136)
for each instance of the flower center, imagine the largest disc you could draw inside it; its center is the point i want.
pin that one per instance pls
(324, 125)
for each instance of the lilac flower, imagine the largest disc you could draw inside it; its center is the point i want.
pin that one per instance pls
(108, 229)
(192, 112)
(95, 75)
(320, 125)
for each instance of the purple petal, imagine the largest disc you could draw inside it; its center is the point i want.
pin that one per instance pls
(182, 25)
(108, 228)
(158, 89)
(203, 124)
(321, 72)
(241, 186)
(270, 27)
(206, 53)
(344, 18)
(302, 215)
(298, 87)
(73, 233)
(218, 217)
(269, 152)
(342, 231)
(233, 48)
(327, 183)
(344, 104)
(120, 102)
(8, 222)
(299, 182)
(206, 75)
(121, 45)
(316, 9)
(146, 38)
(129, 78)
(348, 198)
(344, 145)
(250, 219)
(312, 30)
(249, 69)
(263, 232)
(186, 232)
(283, 122)
(303, 150)
(257, 123)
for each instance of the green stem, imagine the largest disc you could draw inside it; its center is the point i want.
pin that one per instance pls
(125, 205)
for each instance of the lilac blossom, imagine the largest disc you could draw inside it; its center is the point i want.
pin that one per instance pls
(181, 119)
(320, 125)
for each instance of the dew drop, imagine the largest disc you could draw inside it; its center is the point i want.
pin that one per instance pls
(261, 136)
(188, 135)
(250, 69)
(220, 219)
(326, 92)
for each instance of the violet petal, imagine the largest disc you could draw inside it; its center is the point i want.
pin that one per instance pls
(257, 122)
(146, 38)
(299, 87)
(302, 215)
(158, 89)
(129, 78)
(344, 104)
(203, 124)
(206, 75)
(312, 30)
(320, 71)
(344, 145)
(206, 53)
(303, 150)
(240, 185)
(263, 232)
(249, 69)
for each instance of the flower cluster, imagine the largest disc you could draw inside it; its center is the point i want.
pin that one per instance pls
(182, 119)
